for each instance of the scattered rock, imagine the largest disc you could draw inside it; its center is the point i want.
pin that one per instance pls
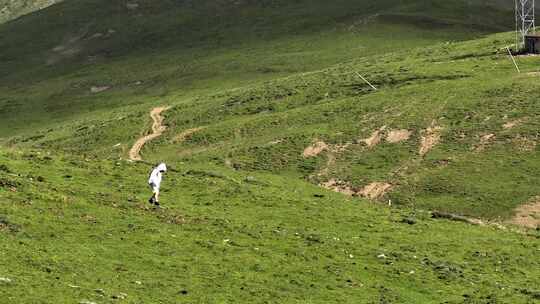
(132, 5)
(99, 291)
(120, 296)
(381, 256)
(457, 218)
(183, 292)
(5, 280)
(396, 136)
(315, 149)
(375, 190)
(87, 302)
(99, 89)
(409, 220)
(96, 35)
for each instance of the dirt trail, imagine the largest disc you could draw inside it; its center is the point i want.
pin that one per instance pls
(157, 129)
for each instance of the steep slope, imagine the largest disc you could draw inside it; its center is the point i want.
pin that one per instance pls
(268, 115)
(11, 9)
(90, 93)
(452, 127)
(74, 230)
(142, 50)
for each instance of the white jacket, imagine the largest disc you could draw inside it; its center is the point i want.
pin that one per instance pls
(156, 175)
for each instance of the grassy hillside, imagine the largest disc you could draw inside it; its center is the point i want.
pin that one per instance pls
(268, 118)
(466, 92)
(154, 49)
(11, 9)
(76, 230)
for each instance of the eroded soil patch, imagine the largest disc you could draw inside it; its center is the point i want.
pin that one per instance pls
(375, 191)
(186, 135)
(315, 149)
(528, 215)
(430, 138)
(397, 136)
(375, 138)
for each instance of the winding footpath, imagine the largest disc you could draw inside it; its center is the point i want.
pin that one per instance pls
(157, 130)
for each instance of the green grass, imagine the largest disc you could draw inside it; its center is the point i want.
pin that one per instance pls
(224, 237)
(469, 89)
(172, 48)
(245, 220)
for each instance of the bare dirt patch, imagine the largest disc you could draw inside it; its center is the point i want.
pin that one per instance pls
(375, 138)
(430, 138)
(512, 124)
(375, 191)
(396, 136)
(186, 135)
(524, 144)
(339, 186)
(372, 191)
(157, 129)
(484, 142)
(315, 149)
(528, 215)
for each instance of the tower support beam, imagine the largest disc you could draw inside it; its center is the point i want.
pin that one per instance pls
(525, 20)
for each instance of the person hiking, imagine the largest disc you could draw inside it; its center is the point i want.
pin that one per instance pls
(155, 182)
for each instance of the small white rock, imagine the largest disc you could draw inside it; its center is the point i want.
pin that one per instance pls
(5, 280)
(381, 256)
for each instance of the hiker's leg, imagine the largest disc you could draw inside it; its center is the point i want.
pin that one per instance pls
(156, 195)
(152, 199)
